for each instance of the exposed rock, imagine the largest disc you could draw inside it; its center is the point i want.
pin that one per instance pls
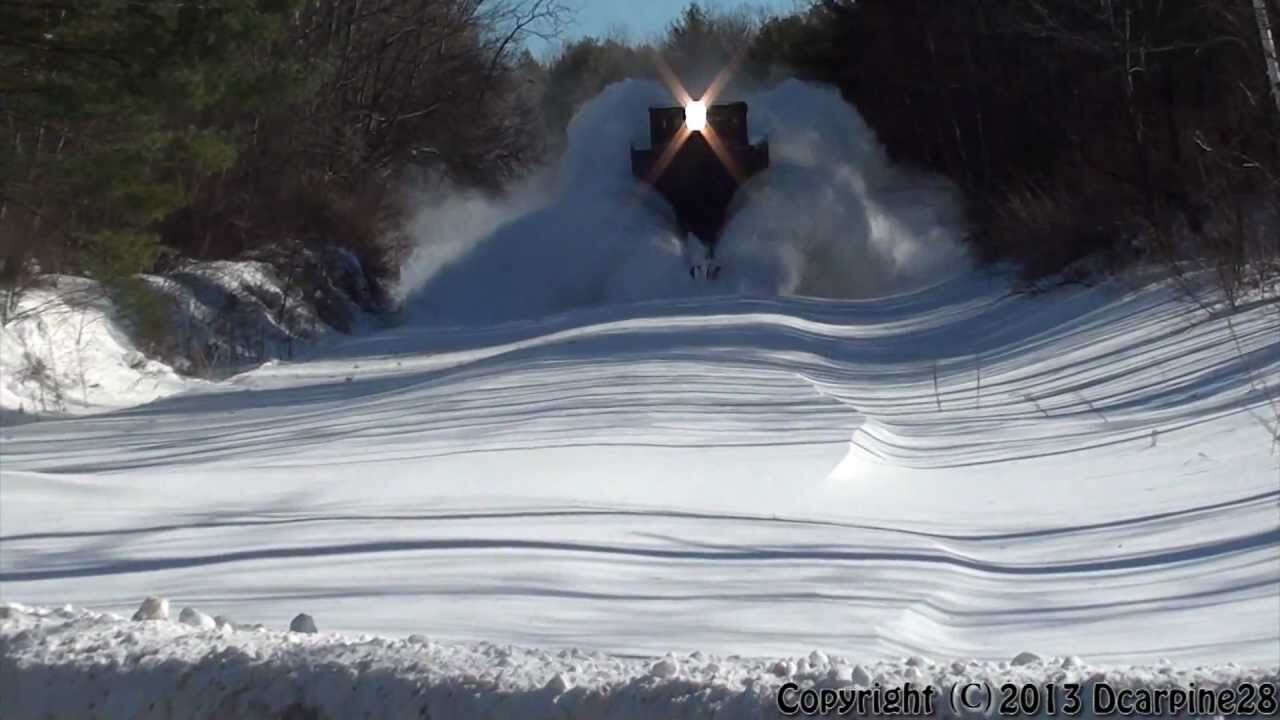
(303, 623)
(1026, 658)
(195, 618)
(667, 667)
(153, 608)
(558, 684)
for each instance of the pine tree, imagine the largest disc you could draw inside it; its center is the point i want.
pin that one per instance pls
(114, 112)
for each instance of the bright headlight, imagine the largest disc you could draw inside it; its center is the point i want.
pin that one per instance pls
(695, 115)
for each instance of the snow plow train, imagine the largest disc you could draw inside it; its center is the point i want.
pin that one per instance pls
(698, 158)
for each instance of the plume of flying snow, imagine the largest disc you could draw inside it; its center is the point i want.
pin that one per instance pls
(831, 218)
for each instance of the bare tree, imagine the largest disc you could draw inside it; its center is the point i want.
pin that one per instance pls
(421, 80)
(1268, 48)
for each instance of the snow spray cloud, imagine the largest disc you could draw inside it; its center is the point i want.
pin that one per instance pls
(830, 218)
(587, 234)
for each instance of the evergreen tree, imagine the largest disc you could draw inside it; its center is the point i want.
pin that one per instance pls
(115, 111)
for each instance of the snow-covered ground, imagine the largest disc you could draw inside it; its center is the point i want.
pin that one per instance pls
(732, 476)
(758, 478)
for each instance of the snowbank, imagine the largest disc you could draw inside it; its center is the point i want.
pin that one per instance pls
(66, 352)
(229, 314)
(74, 663)
(66, 349)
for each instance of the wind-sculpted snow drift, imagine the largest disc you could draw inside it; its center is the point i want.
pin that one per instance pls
(830, 218)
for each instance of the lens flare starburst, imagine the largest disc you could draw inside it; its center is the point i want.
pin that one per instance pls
(695, 114)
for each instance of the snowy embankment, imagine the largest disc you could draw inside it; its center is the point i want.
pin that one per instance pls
(66, 349)
(75, 664)
(954, 473)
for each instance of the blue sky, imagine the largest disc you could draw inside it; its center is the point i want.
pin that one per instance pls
(640, 19)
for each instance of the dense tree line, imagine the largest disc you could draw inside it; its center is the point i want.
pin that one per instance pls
(1108, 129)
(136, 129)
(1124, 127)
